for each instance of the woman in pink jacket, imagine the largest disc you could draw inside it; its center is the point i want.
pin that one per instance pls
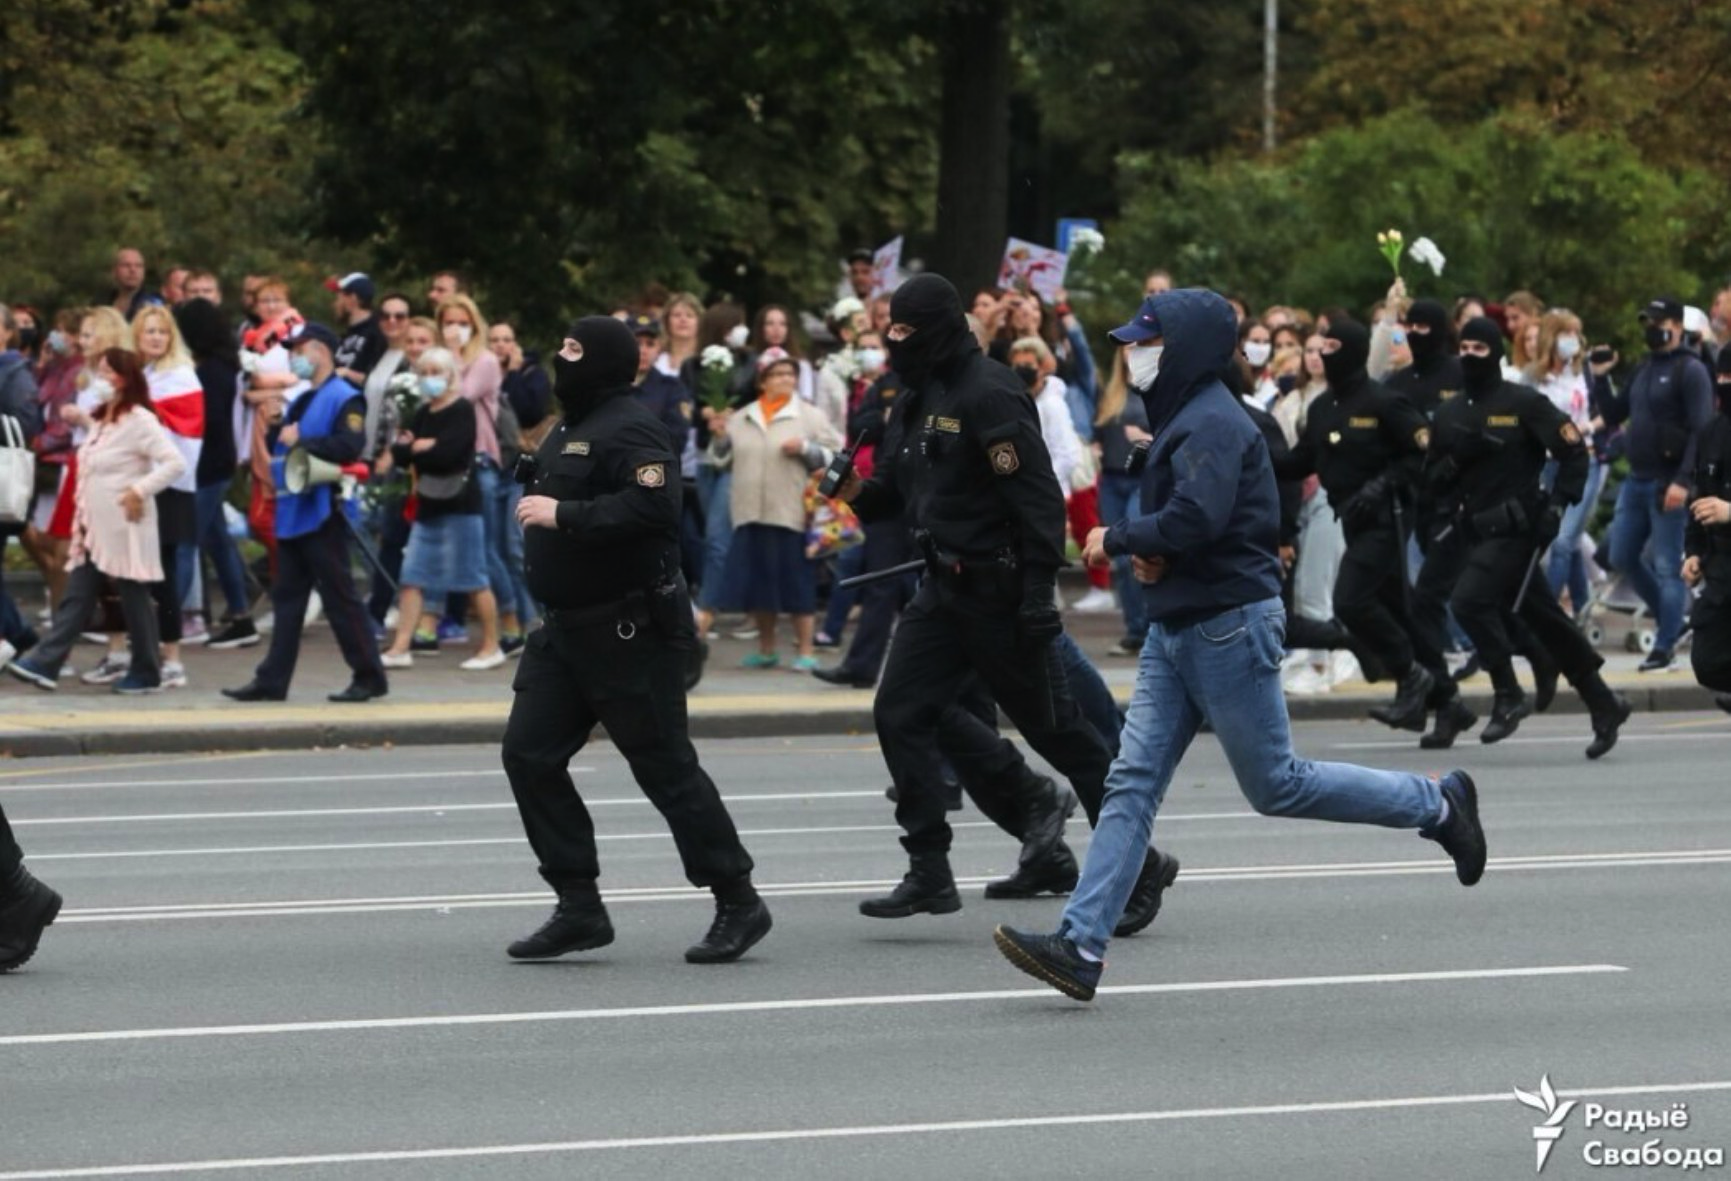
(125, 460)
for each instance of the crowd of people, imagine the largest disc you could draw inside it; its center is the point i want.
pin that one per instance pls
(161, 418)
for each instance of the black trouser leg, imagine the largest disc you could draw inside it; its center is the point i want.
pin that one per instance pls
(1483, 598)
(550, 722)
(393, 538)
(1710, 656)
(142, 617)
(987, 764)
(885, 545)
(288, 604)
(11, 856)
(71, 616)
(334, 577)
(1544, 627)
(1368, 595)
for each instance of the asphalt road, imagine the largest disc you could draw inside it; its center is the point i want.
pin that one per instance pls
(293, 965)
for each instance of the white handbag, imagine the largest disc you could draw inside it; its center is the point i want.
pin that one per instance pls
(17, 472)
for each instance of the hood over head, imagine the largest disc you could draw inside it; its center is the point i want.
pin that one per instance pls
(1482, 373)
(1430, 347)
(931, 306)
(1199, 332)
(1344, 367)
(608, 365)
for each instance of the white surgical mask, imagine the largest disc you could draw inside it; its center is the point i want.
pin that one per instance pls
(1568, 347)
(1257, 352)
(871, 360)
(434, 387)
(101, 389)
(58, 343)
(1144, 365)
(459, 333)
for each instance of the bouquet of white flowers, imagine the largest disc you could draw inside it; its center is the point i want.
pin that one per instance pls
(405, 390)
(1425, 251)
(716, 365)
(1085, 242)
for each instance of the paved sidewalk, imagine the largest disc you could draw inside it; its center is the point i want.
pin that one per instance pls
(436, 703)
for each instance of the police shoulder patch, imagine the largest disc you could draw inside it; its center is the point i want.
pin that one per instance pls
(652, 475)
(1005, 461)
(1571, 434)
(355, 421)
(685, 409)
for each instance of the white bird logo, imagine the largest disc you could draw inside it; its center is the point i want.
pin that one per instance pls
(1546, 1134)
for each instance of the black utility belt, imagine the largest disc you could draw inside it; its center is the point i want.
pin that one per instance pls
(984, 577)
(626, 615)
(1511, 518)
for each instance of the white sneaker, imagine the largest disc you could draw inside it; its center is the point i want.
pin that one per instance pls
(1307, 682)
(1098, 601)
(1343, 667)
(109, 669)
(193, 631)
(744, 633)
(173, 675)
(480, 664)
(397, 659)
(7, 652)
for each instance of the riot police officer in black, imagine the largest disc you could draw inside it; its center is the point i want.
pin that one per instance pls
(1707, 541)
(1488, 450)
(963, 463)
(601, 548)
(1367, 444)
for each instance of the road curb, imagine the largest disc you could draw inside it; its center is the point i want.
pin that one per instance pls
(840, 720)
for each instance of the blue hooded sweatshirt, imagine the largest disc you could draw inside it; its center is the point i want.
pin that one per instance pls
(1208, 492)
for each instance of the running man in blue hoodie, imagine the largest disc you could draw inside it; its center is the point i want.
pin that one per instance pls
(1206, 551)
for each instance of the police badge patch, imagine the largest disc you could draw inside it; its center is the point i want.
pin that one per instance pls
(1004, 459)
(355, 421)
(652, 475)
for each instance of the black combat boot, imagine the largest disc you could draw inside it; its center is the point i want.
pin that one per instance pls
(1545, 674)
(1453, 719)
(1046, 865)
(579, 923)
(741, 919)
(1407, 710)
(1609, 710)
(928, 888)
(1507, 710)
(1158, 872)
(27, 908)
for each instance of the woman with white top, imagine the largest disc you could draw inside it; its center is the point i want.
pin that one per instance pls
(1560, 372)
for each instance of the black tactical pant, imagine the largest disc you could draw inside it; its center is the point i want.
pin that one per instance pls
(1710, 655)
(1371, 601)
(953, 630)
(1484, 598)
(10, 854)
(628, 675)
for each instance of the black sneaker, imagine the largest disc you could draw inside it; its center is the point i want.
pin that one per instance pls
(1158, 872)
(27, 908)
(1053, 873)
(1507, 710)
(1606, 724)
(737, 926)
(578, 923)
(928, 888)
(1658, 661)
(236, 633)
(1051, 959)
(1452, 720)
(1461, 835)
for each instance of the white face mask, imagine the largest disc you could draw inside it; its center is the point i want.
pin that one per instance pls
(102, 390)
(1568, 347)
(1257, 352)
(871, 360)
(1144, 365)
(459, 334)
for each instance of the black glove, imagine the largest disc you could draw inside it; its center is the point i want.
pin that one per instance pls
(1038, 616)
(1549, 523)
(1363, 507)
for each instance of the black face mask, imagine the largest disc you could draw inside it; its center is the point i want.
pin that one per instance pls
(1344, 367)
(930, 305)
(1030, 375)
(1286, 383)
(1658, 338)
(27, 338)
(1481, 371)
(608, 365)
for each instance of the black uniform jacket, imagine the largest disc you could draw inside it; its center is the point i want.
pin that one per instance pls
(1712, 477)
(1488, 449)
(616, 479)
(1353, 437)
(964, 458)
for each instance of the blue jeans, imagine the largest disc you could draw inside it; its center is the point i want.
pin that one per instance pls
(715, 490)
(219, 547)
(1565, 566)
(1225, 668)
(499, 497)
(1120, 499)
(1641, 516)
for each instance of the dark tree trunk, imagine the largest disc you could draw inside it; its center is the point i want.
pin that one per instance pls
(974, 144)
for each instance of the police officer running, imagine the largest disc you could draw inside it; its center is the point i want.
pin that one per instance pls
(601, 540)
(963, 460)
(328, 422)
(1487, 452)
(1707, 542)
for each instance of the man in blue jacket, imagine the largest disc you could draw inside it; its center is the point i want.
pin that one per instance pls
(1206, 550)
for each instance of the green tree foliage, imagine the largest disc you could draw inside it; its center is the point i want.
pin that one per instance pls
(166, 126)
(1579, 217)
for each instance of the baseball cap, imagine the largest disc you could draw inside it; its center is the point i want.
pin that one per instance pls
(1144, 326)
(861, 254)
(643, 324)
(354, 283)
(1663, 307)
(311, 331)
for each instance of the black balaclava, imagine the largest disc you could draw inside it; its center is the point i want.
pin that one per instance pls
(1483, 374)
(1344, 368)
(930, 305)
(1428, 347)
(608, 365)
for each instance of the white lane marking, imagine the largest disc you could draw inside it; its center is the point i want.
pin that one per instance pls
(1241, 873)
(783, 1135)
(1545, 740)
(789, 1005)
(406, 777)
(506, 806)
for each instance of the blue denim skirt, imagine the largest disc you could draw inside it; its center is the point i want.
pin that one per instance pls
(446, 554)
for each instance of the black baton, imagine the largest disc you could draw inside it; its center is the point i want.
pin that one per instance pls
(880, 575)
